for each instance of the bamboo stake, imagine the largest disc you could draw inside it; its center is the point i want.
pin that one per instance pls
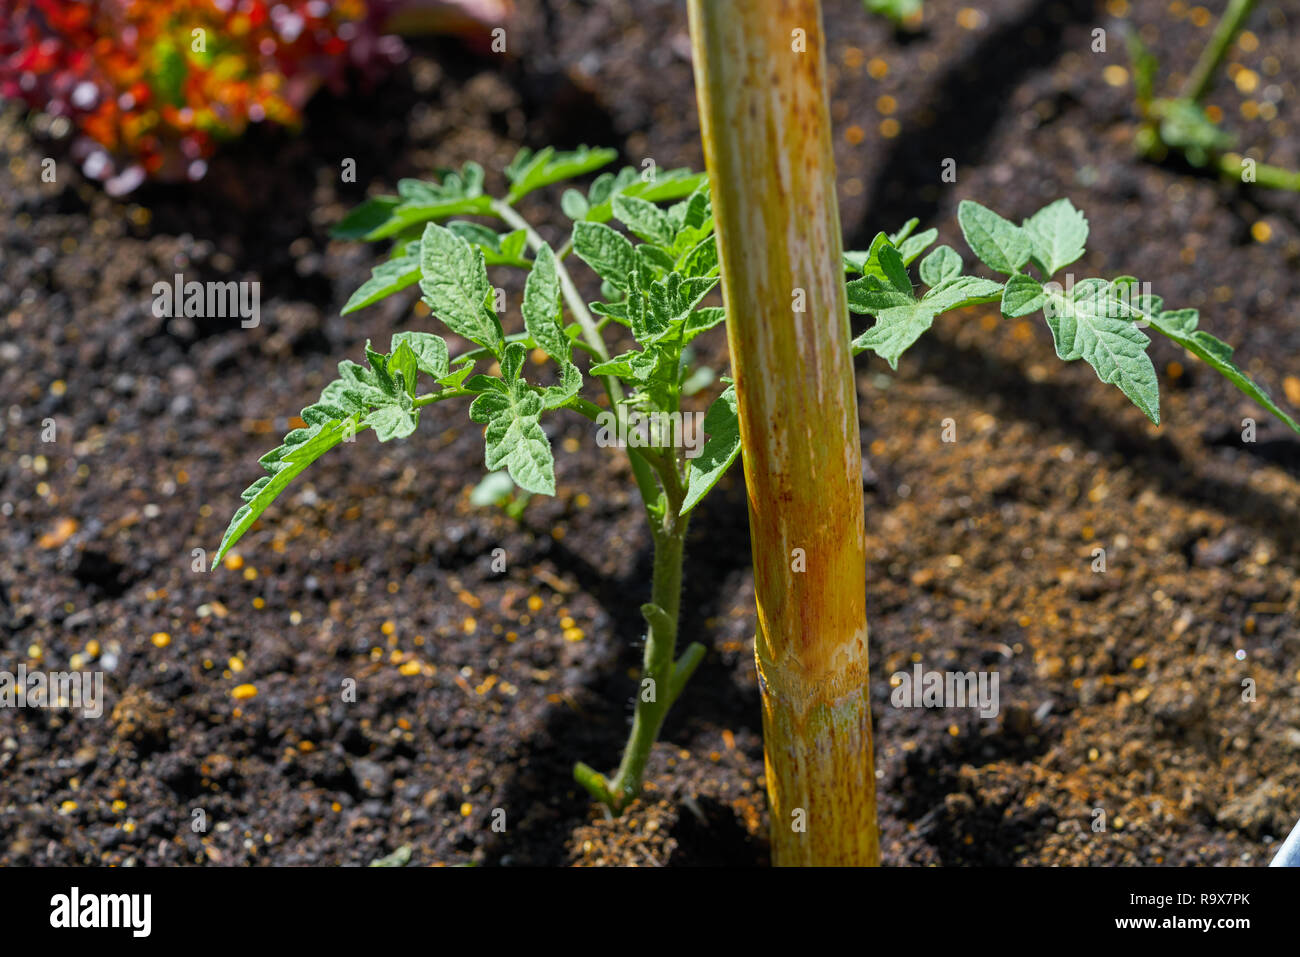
(760, 81)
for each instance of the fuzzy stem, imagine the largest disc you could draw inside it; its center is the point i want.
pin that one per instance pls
(1212, 56)
(662, 678)
(654, 693)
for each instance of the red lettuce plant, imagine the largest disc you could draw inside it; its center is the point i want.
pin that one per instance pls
(152, 86)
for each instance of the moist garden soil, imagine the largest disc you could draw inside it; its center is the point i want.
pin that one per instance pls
(1149, 714)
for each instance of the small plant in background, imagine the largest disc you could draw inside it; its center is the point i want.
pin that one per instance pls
(655, 280)
(903, 14)
(498, 489)
(1182, 124)
(152, 86)
(654, 284)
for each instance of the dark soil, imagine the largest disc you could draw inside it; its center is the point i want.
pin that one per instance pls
(1122, 692)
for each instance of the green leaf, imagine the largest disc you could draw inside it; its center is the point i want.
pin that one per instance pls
(1092, 324)
(337, 396)
(663, 185)
(499, 249)
(574, 204)
(541, 311)
(476, 234)
(691, 220)
(942, 264)
(961, 291)
(606, 251)
(393, 422)
(399, 858)
(871, 295)
(455, 285)
(722, 424)
(655, 262)
(700, 260)
(512, 249)
(701, 320)
(514, 438)
(380, 375)
(402, 366)
(620, 365)
(451, 186)
(645, 219)
(1180, 326)
(344, 408)
(896, 239)
(884, 283)
(387, 278)
(900, 318)
(455, 379)
(913, 246)
(369, 216)
(541, 306)
(671, 301)
(1022, 295)
(647, 322)
(459, 194)
(1145, 66)
(895, 330)
(408, 215)
(891, 268)
(554, 396)
(855, 259)
(430, 351)
(1000, 244)
(529, 171)
(654, 366)
(284, 464)
(1058, 233)
(883, 261)
(698, 380)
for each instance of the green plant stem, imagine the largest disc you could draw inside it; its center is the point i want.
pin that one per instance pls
(657, 666)
(483, 352)
(662, 677)
(1272, 177)
(421, 401)
(590, 333)
(1212, 56)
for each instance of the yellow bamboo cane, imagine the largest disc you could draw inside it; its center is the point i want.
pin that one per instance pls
(760, 80)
